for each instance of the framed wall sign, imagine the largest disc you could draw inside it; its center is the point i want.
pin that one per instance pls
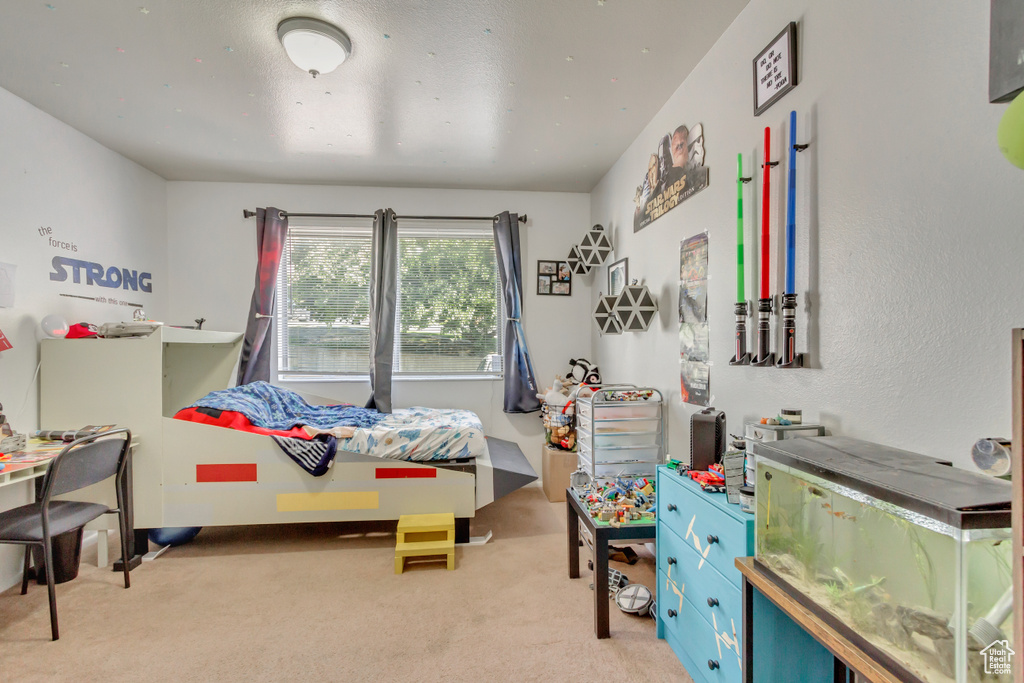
(775, 70)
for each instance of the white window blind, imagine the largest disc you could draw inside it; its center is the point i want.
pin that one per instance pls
(323, 302)
(449, 318)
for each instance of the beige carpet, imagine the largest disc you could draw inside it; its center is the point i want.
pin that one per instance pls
(322, 602)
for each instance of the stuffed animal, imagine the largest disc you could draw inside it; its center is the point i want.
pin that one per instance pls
(554, 396)
(582, 371)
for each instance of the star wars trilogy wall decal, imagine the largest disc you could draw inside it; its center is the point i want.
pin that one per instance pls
(675, 172)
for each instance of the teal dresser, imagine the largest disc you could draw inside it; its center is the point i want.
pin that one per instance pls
(700, 611)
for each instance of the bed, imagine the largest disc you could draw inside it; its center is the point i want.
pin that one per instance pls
(194, 474)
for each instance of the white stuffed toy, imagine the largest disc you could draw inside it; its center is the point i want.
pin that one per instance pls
(554, 396)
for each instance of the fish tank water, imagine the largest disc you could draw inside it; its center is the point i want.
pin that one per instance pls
(906, 555)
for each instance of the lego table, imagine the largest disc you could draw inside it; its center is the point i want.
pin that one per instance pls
(602, 533)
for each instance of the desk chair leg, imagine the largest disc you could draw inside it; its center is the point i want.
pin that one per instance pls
(50, 586)
(28, 566)
(124, 547)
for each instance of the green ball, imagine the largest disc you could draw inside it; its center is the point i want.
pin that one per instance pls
(1011, 132)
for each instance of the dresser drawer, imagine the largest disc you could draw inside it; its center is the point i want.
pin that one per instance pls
(713, 596)
(707, 655)
(697, 521)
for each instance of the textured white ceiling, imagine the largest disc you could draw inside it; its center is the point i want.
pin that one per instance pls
(502, 94)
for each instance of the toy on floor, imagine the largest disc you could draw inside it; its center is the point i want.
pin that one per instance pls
(625, 555)
(635, 599)
(172, 536)
(616, 581)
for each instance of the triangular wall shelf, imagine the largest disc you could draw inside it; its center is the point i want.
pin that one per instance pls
(635, 307)
(604, 316)
(577, 263)
(596, 247)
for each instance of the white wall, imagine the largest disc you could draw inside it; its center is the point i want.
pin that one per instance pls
(111, 209)
(909, 223)
(212, 255)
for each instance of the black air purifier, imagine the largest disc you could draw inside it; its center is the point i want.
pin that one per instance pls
(707, 438)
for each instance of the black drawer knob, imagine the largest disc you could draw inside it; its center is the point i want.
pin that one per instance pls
(712, 539)
(712, 602)
(672, 613)
(671, 560)
(712, 664)
(672, 508)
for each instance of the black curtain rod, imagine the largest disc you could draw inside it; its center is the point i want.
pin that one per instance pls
(246, 213)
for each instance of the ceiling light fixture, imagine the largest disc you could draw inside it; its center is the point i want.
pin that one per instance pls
(313, 45)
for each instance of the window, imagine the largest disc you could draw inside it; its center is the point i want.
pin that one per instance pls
(450, 316)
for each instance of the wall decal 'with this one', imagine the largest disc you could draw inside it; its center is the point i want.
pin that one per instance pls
(674, 173)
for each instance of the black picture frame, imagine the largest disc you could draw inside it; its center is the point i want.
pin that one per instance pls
(554, 278)
(1006, 35)
(561, 288)
(624, 263)
(764, 69)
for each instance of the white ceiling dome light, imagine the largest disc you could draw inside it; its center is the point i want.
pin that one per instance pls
(313, 45)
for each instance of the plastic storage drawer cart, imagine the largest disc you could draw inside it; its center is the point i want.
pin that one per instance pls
(620, 432)
(700, 610)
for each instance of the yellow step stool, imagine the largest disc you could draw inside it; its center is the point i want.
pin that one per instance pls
(423, 535)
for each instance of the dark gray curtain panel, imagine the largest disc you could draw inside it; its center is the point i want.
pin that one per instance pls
(383, 286)
(271, 230)
(520, 384)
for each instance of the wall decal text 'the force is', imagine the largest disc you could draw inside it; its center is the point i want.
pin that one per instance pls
(112, 277)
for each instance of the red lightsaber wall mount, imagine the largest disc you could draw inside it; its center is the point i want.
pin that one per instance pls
(764, 356)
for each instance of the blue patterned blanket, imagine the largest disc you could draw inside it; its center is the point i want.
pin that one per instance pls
(275, 408)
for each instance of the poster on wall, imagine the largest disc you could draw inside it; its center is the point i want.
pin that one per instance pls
(694, 356)
(675, 172)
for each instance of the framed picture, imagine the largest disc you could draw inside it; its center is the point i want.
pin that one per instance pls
(1005, 64)
(554, 277)
(775, 70)
(618, 276)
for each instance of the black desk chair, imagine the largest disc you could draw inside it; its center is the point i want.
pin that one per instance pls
(81, 463)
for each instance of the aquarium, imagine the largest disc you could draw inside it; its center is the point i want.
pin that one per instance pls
(906, 555)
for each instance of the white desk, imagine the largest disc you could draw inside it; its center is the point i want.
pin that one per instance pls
(16, 472)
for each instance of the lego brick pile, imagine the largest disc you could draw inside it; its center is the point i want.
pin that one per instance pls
(620, 501)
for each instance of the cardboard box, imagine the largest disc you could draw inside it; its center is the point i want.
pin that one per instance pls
(557, 465)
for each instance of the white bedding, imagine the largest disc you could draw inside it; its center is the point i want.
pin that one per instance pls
(421, 434)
